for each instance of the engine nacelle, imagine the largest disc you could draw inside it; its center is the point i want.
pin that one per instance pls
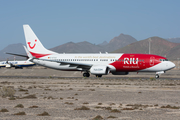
(120, 73)
(8, 65)
(99, 70)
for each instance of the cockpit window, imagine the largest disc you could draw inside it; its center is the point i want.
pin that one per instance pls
(163, 59)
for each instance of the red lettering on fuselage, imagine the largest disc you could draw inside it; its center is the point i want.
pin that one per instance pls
(135, 62)
(130, 60)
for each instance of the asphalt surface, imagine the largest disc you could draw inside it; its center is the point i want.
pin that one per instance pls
(42, 73)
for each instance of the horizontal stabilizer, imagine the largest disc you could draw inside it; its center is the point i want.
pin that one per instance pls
(17, 54)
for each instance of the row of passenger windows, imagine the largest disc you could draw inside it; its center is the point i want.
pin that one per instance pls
(94, 60)
(103, 60)
(77, 59)
(127, 60)
(81, 59)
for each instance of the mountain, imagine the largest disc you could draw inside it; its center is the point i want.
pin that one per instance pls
(174, 40)
(175, 52)
(86, 47)
(119, 42)
(81, 47)
(71, 47)
(158, 45)
(89, 47)
(103, 44)
(12, 48)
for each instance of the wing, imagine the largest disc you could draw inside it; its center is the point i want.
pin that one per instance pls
(80, 66)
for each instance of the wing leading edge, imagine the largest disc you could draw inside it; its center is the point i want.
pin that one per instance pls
(81, 66)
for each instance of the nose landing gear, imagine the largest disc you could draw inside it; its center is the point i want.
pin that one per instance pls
(158, 73)
(156, 76)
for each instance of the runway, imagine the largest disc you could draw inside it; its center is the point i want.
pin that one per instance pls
(90, 78)
(41, 73)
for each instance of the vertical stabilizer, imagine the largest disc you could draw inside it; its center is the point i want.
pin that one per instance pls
(34, 45)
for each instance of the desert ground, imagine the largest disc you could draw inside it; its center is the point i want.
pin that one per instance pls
(46, 94)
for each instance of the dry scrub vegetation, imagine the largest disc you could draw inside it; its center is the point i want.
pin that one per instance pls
(82, 108)
(4, 110)
(87, 98)
(20, 113)
(7, 91)
(43, 114)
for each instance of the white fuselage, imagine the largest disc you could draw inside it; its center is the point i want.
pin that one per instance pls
(97, 59)
(16, 63)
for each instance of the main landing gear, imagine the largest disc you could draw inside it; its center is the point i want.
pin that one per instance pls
(86, 74)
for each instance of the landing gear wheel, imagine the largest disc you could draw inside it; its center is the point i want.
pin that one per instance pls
(98, 76)
(156, 76)
(86, 74)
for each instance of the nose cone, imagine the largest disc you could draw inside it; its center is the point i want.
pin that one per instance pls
(171, 65)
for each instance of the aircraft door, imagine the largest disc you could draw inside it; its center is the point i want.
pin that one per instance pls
(151, 61)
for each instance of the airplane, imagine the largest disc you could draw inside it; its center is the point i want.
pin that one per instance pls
(96, 64)
(16, 64)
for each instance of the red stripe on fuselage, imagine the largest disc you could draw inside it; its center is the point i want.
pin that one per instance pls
(37, 55)
(135, 62)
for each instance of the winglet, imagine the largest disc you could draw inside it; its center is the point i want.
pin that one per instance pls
(28, 53)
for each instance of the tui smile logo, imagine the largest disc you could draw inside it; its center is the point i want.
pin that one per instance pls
(32, 47)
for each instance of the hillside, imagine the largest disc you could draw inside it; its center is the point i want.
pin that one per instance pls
(159, 46)
(175, 52)
(81, 47)
(86, 47)
(103, 44)
(174, 40)
(12, 48)
(119, 42)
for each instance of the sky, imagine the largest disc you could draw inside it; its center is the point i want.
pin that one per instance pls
(56, 22)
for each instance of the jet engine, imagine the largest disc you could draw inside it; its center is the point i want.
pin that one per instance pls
(99, 70)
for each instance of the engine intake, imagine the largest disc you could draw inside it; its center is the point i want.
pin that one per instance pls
(99, 70)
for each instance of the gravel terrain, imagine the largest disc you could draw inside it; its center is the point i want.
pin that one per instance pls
(133, 97)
